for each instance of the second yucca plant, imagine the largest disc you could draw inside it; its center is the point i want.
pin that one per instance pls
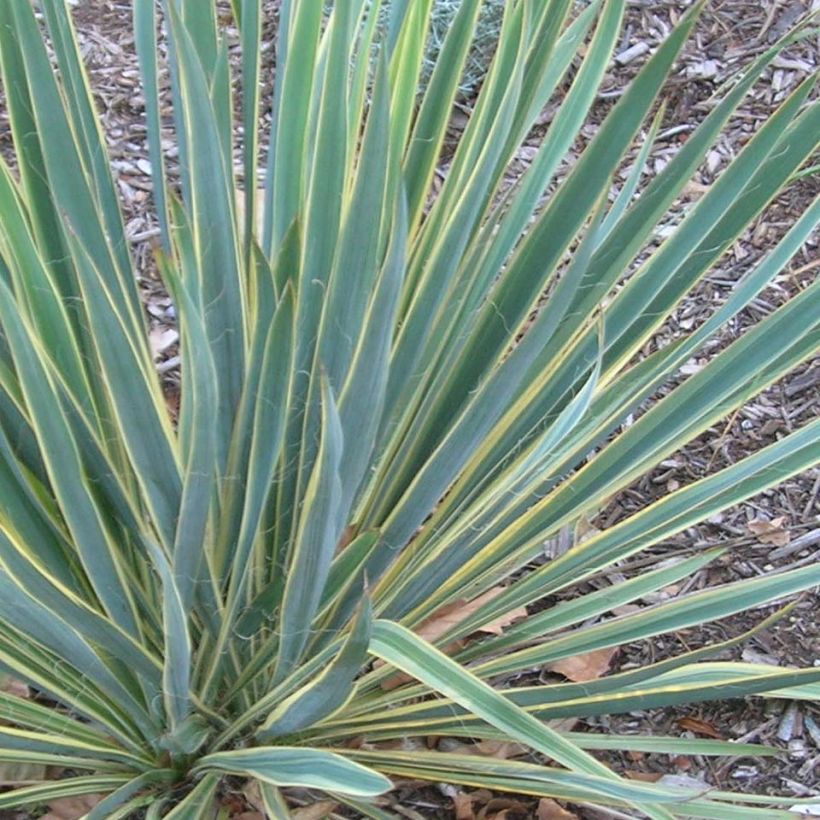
(390, 401)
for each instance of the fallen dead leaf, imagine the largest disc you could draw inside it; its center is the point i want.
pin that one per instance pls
(464, 803)
(550, 810)
(644, 777)
(451, 616)
(252, 793)
(772, 532)
(626, 609)
(405, 812)
(699, 727)
(12, 686)
(463, 806)
(318, 811)
(499, 749)
(454, 614)
(233, 804)
(172, 403)
(590, 666)
(72, 808)
(500, 807)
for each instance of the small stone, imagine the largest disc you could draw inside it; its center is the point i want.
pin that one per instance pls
(744, 772)
(797, 749)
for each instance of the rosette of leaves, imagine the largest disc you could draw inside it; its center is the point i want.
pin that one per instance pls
(390, 401)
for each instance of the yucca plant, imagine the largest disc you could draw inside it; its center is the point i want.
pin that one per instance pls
(390, 401)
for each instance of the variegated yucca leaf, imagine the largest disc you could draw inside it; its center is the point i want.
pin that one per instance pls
(394, 392)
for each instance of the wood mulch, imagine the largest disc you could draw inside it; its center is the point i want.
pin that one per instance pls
(729, 35)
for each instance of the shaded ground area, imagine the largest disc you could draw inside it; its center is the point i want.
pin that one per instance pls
(780, 527)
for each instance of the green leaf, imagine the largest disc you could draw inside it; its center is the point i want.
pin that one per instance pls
(463, 768)
(109, 806)
(200, 802)
(319, 530)
(136, 397)
(586, 607)
(145, 42)
(54, 790)
(211, 207)
(85, 520)
(48, 628)
(293, 766)
(327, 692)
(404, 650)
(287, 159)
(670, 515)
(199, 418)
(685, 611)
(63, 154)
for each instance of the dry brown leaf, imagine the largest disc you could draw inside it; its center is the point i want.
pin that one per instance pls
(318, 811)
(72, 808)
(449, 617)
(463, 806)
(172, 403)
(12, 686)
(252, 793)
(500, 749)
(454, 614)
(550, 810)
(626, 609)
(405, 812)
(699, 727)
(564, 724)
(500, 807)
(644, 777)
(580, 668)
(464, 803)
(772, 532)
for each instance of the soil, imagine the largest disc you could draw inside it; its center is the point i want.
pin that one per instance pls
(730, 34)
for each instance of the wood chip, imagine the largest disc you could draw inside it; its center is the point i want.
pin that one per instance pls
(632, 53)
(582, 668)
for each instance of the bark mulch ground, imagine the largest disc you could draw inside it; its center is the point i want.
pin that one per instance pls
(778, 528)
